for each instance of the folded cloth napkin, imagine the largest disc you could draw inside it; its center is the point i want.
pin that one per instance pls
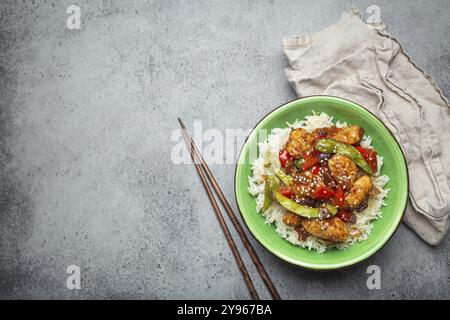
(361, 62)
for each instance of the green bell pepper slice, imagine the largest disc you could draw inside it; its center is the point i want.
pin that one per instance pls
(299, 163)
(286, 179)
(303, 211)
(272, 184)
(333, 146)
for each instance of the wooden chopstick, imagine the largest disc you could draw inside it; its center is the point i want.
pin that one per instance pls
(226, 232)
(196, 155)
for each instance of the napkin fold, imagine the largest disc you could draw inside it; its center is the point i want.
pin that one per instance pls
(363, 63)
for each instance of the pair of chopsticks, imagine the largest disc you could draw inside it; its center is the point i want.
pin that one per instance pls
(201, 165)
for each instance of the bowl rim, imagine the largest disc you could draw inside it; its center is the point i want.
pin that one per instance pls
(312, 266)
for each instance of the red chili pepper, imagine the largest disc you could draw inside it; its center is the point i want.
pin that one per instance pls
(372, 159)
(310, 160)
(363, 151)
(287, 192)
(315, 169)
(370, 155)
(346, 216)
(284, 157)
(323, 193)
(340, 197)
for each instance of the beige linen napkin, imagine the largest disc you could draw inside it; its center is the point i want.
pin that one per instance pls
(361, 62)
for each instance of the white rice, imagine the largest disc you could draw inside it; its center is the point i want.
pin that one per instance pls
(277, 140)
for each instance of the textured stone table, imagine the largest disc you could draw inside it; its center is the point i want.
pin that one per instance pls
(86, 123)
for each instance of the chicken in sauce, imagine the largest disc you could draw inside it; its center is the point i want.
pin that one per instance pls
(325, 178)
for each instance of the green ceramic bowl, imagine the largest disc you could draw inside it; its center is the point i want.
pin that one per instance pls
(394, 166)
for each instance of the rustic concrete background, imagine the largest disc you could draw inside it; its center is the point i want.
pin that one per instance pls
(86, 119)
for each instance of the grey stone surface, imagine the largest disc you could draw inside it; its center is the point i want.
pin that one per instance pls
(86, 119)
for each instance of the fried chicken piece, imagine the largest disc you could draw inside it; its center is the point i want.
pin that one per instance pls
(292, 219)
(305, 183)
(359, 191)
(332, 229)
(300, 142)
(343, 170)
(350, 135)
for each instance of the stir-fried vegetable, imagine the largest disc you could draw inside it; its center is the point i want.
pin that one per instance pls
(323, 193)
(287, 192)
(340, 197)
(284, 158)
(333, 146)
(270, 186)
(267, 196)
(286, 179)
(303, 211)
(315, 169)
(370, 155)
(273, 182)
(310, 161)
(299, 163)
(307, 162)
